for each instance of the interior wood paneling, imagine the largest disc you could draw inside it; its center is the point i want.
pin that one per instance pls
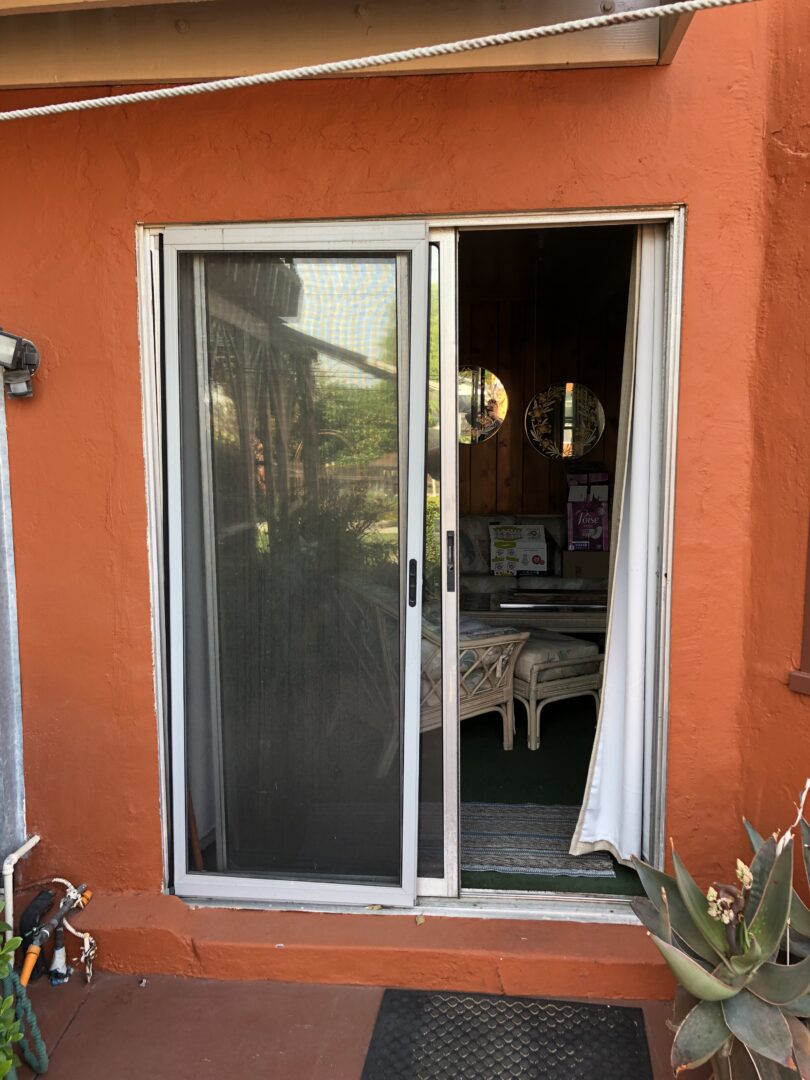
(539, 306)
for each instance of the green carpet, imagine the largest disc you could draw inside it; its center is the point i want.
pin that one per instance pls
(556, 773)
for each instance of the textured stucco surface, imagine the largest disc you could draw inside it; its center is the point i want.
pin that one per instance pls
(720, 130)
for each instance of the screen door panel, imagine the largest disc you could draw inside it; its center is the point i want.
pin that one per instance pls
(294, 394)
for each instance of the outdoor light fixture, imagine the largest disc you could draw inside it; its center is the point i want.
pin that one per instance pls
(19, 360)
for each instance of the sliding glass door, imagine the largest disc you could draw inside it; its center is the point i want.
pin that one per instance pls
(295, 381)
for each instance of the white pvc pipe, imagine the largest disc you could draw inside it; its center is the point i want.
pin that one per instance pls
(8, 880)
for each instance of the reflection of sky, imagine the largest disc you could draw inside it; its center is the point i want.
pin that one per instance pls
(347, 302)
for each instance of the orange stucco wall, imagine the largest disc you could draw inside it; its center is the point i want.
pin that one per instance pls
(720, 130)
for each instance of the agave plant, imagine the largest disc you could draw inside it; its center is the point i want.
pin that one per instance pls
(742, 1002)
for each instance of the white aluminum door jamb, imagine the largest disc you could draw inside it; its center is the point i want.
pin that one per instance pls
(384, 237)
(150, 299)
(447, 241)
(209, 557)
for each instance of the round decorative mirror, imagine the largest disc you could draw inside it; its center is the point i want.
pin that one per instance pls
(565, 421)
(482, 405)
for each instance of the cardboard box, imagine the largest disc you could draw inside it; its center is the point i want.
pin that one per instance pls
(586, 564)
(518, 549)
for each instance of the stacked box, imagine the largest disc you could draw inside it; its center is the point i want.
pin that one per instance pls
(588, 511)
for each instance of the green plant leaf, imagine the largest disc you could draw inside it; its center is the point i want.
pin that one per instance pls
(699, 1037)
(682, 1005)
(746, 1065)
(698, 907)
(805, 827)
(761, 1026)
(666, 921)
(799, 915)
(781, 983)
(742, 1066)
(800, 1007)
(756, 839)
(649, 916)
(653, 881)
(770, 918)
(700, 983)
(801, 1044)
(799, 945)
(760, 870)
(747, 961)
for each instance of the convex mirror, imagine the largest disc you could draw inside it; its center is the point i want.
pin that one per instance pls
(565, 421)
(482, 405)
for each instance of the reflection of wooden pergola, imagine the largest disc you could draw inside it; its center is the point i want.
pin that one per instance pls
(267, 369)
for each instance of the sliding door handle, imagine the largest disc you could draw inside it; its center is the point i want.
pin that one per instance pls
(412, 583)
(451, 561)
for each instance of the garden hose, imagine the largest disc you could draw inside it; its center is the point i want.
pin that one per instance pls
(34, 1053)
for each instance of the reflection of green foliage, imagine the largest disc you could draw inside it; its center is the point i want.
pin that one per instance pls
(433, 357)
(433, 545)
(365, 417)
(433, 337)
(339, 532)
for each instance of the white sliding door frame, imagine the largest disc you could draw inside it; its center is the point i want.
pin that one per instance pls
(394, 238)
(351, 235)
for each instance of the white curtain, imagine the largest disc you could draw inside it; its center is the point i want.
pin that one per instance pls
(615, 814)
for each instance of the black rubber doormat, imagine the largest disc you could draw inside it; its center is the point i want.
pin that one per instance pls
(423, 1035)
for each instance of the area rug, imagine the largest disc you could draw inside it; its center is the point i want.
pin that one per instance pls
(439, 1035)
(524, 838)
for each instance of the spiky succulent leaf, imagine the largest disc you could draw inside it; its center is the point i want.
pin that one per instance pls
(682, 1005)
(761, 867)
(743, 1067)
(801, 1044)
(760, 1025)
(799, 915)
(700, 983)
(697, 906)
(653, 881)
(806, 847)
(746, 962)
(699, 1037)
(800, 1007)
(666, 919)
(648, 915)
(771, 915)
(799, 946)
(781, 983)
(756, 839)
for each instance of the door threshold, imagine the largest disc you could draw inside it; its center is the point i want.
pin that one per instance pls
(473, 903)
(559, 907)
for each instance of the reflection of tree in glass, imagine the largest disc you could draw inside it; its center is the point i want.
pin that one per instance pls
(364, 417)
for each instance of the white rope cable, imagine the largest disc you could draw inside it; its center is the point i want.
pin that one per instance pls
(341, 67)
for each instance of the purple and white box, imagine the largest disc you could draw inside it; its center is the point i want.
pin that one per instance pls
(588, 514)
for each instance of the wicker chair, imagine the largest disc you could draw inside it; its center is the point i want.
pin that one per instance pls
(487, 661)
(487, 658)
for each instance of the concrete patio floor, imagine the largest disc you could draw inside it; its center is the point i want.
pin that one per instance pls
(179, 1029)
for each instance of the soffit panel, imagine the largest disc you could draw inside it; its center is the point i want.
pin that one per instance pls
(179, 42)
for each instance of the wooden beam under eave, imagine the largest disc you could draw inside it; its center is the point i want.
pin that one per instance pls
(671, 31)
(34, 7)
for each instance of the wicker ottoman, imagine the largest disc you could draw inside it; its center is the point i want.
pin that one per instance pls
(552, 667)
